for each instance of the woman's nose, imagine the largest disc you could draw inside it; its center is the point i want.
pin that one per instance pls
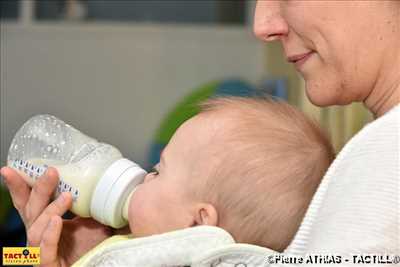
(269, 25)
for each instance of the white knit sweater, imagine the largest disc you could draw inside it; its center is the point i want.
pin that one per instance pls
(356, 208)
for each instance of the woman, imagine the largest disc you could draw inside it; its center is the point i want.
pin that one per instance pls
(346, 52)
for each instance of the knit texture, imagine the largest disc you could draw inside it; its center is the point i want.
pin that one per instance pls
(356, 208)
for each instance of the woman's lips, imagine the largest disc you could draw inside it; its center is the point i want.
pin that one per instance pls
(300, 59)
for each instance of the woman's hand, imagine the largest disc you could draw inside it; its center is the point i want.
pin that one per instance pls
(61, 242)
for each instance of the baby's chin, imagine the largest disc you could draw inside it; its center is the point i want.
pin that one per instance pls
(136, 231)
(142, 230)
(135, 223)
(131, 228)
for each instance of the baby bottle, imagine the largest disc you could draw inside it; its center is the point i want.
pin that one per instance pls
(100, 180)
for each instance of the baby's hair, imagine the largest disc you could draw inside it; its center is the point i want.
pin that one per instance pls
(272, 159)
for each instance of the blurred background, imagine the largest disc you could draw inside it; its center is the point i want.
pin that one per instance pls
(128, 72)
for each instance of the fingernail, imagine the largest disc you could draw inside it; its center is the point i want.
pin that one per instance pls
(47, 171)
(61, 197)
(50, 171)
(64, 196)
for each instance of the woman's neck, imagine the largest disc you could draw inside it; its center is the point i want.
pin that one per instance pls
(383, 98)
(385, 93)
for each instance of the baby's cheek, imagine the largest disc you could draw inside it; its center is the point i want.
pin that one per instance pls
(134, 212)
(137, 213)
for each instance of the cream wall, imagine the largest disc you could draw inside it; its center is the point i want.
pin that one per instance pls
(115, 81)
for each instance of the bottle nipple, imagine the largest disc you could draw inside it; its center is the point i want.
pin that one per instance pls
(125, 208)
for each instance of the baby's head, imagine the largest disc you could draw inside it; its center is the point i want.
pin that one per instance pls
(248, 165)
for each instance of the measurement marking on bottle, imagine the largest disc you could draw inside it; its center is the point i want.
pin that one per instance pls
(35, 171)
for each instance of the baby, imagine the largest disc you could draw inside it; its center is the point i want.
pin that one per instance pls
(247, 165)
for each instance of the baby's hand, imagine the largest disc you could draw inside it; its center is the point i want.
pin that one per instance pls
(61, 242)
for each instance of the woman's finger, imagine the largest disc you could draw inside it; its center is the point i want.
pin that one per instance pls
(50, 241)
(41, 194)
(56, 208)
(19, 189)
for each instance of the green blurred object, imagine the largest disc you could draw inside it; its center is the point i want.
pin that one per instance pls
(5, 204)
(184, 110)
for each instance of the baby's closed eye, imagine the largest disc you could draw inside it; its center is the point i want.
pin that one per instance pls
(155, 170)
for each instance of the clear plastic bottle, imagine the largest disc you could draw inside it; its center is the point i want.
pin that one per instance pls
(100, 180)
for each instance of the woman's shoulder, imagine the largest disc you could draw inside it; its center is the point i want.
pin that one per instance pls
(372, 151)
(381, 135)
(388, 123)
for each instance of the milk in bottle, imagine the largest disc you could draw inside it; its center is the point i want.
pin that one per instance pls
(100, 180)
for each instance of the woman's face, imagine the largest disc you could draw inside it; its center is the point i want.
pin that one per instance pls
(337, 46)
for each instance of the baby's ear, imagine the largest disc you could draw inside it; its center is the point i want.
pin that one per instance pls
(206, 214)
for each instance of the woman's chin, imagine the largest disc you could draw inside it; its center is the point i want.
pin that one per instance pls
(326, 101)
(324, 96)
